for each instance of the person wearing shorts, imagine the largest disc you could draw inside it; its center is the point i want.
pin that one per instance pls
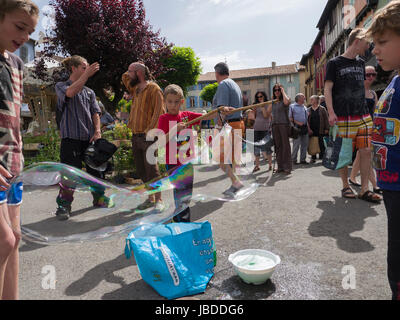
(345, 100)
(12, 196)
(18, 20)
(357, 128)
(229, 96)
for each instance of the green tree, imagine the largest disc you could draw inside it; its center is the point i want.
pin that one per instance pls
(114, 33)
(208, 92)
(184, 69)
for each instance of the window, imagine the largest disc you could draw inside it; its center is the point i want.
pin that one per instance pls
(246, 82)
(332, 20)
(261, 80)
(289, 78)
(205, 103)
(291, 92)
(192, 102)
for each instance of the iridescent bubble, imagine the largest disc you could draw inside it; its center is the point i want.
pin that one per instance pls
(123, 212)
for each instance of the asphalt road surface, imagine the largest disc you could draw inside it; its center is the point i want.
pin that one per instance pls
(320, 237)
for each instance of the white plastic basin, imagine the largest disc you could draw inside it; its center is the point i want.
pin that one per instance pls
(254, 266)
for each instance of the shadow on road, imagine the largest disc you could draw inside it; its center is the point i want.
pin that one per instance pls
(233, 287)
(208, 168)
(104, 271)
(50, 227)
(276, 177)
(203, 209)
(138, 290)
(334, 173)
(205, 183)
(339, 219)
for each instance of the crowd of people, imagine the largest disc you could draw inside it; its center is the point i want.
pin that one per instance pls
(349, 103)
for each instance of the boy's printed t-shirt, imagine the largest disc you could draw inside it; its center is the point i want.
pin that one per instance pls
(348, 92)
(167, 121)
(11, 94)
(386, 136)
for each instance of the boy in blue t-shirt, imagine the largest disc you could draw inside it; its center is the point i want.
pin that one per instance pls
(385, 31)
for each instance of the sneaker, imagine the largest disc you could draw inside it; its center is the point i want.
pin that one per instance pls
(145, 205)
(231, 192)
(295, 162)
(103, 202)
(63, 213)
(160, 206)
(313, 161)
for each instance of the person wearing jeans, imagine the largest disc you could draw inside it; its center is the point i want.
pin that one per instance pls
(299, 116)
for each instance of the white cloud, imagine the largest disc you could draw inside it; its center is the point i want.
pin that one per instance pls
(247, 33)
(236, 60)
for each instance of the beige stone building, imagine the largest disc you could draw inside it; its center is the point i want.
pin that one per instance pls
(252, 80)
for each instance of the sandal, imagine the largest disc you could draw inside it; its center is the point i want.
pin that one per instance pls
(378, 190)
(370, 197)
(356, 184)
(348, 193)
(256, 168)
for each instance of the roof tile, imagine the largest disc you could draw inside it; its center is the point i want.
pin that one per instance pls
(252, 73)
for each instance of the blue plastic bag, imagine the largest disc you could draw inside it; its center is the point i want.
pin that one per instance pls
(177, 259)
(338, 152)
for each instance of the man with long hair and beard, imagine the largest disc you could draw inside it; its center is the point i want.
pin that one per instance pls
(147, 107)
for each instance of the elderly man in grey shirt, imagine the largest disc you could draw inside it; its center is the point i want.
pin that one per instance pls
(299, 115)
(229, 96)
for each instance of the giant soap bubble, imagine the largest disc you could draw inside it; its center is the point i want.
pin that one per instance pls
(42, 182)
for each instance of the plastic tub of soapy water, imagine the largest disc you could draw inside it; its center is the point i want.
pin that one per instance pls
(254, 266)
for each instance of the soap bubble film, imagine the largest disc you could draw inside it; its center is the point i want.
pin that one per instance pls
(121, 213)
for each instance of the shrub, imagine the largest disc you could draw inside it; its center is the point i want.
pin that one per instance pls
(50, 147)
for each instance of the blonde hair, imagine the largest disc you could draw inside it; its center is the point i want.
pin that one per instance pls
(7, 6)
(387, 18)
(175, 90)
(357, 33)
(74, 61)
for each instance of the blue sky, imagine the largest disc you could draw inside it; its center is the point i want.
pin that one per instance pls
(247, 33)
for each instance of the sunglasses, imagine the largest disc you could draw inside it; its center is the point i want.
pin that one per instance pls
(370, 74)
(277, 90)
(260, 97)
